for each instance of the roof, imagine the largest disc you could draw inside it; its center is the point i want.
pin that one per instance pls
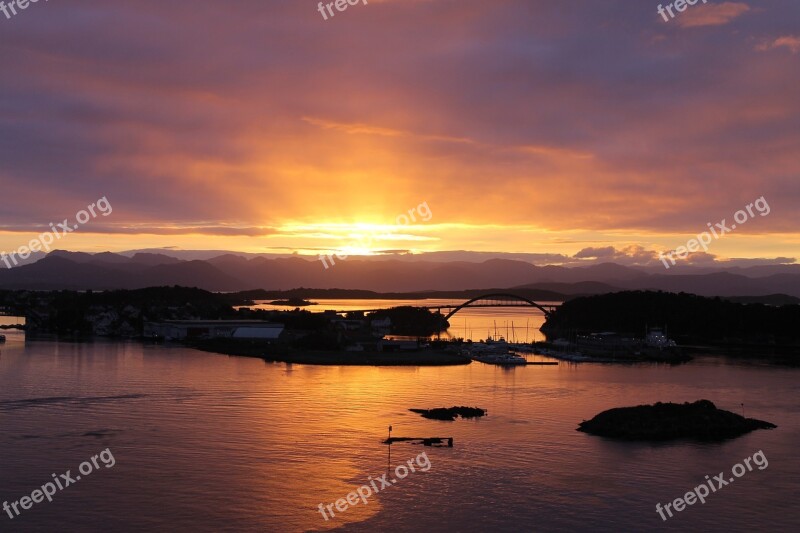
(230, 323)
(257, 333)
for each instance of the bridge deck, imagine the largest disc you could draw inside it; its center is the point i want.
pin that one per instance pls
(490, 300)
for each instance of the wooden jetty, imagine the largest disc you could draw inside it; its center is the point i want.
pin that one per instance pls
(429, 441)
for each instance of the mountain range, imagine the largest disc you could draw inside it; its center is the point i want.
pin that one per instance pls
(231, 272)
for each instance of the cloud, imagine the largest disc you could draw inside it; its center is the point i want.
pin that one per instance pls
(633, 255)
(596, 253)
(353, 129)
(526, 128)
(791, 42)
(712, 14)
(639, 256)
(744, 262)
(555, 152)
(146, 229)
(705, 259)
(366, 129)
(186, 230)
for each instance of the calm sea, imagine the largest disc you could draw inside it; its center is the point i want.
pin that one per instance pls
(206, 442)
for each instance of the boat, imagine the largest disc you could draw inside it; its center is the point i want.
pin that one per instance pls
(2, 338)
(656, 338)
(504, 359)
(497, 343)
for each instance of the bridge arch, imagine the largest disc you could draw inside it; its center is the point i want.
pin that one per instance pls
(498, 296)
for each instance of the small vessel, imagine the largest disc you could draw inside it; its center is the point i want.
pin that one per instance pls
(497, 343)
(565, 355)
(2, 338)
(500, 359)
(481, 348)
(656, 338)
(523, 347)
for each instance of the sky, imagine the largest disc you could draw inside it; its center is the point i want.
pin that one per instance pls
(570, 130)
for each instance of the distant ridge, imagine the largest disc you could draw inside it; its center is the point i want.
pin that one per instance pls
(232, 273)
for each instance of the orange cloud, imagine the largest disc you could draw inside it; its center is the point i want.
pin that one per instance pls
(791, 42)
(366, 129)
(712, 14)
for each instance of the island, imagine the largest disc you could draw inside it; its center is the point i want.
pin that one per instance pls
(700, 420)
(450, 413)
(294, 302)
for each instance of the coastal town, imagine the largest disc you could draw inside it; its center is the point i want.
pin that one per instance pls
(404, 335)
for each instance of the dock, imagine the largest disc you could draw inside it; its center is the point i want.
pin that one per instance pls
(425, 441)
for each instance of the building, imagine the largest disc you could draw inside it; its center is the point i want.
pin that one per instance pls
(382, 326)
(271, 332)
(348, 324)
(212, 329)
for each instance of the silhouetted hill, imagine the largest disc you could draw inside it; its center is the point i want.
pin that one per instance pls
(581, 287)
(769, 299)
(238, 298)
(230, 272)
(84, 271)
(689, 318)
(605, 272)
(716, 284)
(762, 271)
(153, 259)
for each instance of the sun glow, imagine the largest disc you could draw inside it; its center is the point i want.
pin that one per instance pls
(362, 238)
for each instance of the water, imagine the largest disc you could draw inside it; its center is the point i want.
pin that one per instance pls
(206, 442)
(520, 324)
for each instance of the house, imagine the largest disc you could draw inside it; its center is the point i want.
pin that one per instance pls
(382, 325)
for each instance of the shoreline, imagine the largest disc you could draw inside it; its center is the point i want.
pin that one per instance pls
(333, 357)
(325, 358)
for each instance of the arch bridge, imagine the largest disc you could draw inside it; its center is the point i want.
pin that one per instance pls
(499, 299)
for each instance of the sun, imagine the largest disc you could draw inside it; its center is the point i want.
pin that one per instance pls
(356, 238)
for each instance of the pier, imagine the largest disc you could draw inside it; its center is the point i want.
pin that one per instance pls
(429, 441)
